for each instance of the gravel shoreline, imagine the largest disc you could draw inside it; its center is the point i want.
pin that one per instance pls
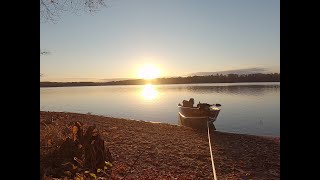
(164, 151)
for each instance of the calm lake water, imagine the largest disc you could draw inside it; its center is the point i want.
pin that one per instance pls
(247, 108)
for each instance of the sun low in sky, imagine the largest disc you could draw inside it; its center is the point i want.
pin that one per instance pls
(176, 38)
(149, 71)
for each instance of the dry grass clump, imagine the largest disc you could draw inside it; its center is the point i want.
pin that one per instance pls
(66, 152)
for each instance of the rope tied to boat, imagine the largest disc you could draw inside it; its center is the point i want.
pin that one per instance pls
(212, 162)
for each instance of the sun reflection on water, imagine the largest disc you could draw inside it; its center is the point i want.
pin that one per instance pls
(149, 92)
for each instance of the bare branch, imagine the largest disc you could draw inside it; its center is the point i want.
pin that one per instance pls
(44, 52)
(50, 10)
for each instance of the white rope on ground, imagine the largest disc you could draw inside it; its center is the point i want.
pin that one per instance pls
(213, 169)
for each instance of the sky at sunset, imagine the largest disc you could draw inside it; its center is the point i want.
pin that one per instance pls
(173, 37)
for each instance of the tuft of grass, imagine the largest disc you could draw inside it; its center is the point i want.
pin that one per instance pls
(52, 136)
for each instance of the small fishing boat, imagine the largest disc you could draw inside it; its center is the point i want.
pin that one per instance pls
(197, 117)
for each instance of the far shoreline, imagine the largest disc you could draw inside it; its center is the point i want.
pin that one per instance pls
(218, 78)
(80, 84)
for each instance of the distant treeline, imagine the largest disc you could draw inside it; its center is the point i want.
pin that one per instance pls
(218, 78)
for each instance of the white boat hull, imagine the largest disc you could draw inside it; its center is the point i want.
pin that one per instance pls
(197, 118)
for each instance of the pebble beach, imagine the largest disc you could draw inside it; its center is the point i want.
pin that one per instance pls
(146, 150)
